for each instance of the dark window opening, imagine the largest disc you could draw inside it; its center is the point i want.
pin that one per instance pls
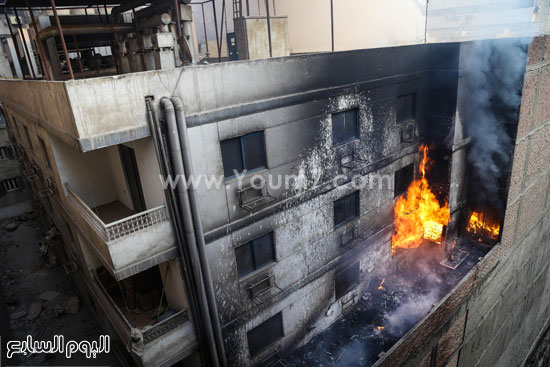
(346, 208)
(265, 334)
(245, 152)
(45, 151)
(346, 280)
(402, 179)
(255, 254)
(345, 126)
(406, 107)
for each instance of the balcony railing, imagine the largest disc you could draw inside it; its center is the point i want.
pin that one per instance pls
(120, 228)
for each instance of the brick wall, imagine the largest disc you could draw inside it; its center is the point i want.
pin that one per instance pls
(501, 309)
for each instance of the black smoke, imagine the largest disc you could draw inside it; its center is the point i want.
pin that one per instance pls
(490, 104)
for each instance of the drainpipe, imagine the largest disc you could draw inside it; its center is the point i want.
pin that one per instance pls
(199, 233)
(180, 204)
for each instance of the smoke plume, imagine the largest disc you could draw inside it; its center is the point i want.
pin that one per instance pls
(490, 100)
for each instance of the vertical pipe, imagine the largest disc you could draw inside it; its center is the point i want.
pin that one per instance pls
(332, 23)
(54, 9)
(178, 31)
(221, 33)
(216, 28)
(268, 28)
(197, 227)
(14, 40)
(247, 8)
(426, 23)
(274, 9)
(78, 56)
(139, 41)
(45, 65)
(205, 35)
(24, 42)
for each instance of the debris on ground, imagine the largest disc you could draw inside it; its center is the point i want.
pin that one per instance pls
(72, 305)
(34, 311)
(11, 226)
(48, 295)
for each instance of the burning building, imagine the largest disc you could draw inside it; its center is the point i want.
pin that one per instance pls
(343, 186)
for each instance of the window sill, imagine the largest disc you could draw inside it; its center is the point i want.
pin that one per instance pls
(255, 171)
(344, 143)
(344, 223)
(257, 272)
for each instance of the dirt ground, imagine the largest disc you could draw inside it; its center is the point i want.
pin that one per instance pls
(26, 275)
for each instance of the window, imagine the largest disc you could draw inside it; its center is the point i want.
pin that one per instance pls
(10, 184)
(405, 108)
(265, 334)
(344, 126)
(28, 136)
(346, 280)
(255, 254)
(245, 152)
(346, 208)
(403, 179)
(45, 151)
(6, 153)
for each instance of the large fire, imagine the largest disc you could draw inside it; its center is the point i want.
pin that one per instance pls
(418, 214)
(481, 225)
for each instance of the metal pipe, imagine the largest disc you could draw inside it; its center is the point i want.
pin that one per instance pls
(78, 56)
(197, 224)
(14, 40)
(45, 65)
(221, 33)
(205, 35)
(179, 32)
(24, 42)
(247, 8)
(139, 41)
(332, 23)
(172, 204)
(80, 29)
(216, 29)
(183, 198)
(52, 2)
(116, 11)
(268, 28)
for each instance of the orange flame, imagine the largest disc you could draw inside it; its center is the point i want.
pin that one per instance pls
(380, 328)
(380, 287)
(483, 226)
(418, 214)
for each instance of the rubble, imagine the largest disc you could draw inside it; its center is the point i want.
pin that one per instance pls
(34, 311)
(48, 295)
(72, 305)
(11, 226)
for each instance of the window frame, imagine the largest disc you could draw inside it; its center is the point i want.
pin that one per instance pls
(242, 157)
(11, 184)
(355, 283)
(413, 112)
(254, 331)
(402, 169)
(357, 126)
(356, 193)
(45, 151)
(255, 266)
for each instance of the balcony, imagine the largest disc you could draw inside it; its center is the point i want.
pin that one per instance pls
(148, 310)
(129, 242)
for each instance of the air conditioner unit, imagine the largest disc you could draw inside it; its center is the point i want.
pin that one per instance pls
(254, 197)
(349, 238)
(409, 133)
(350, 161)
(263, 287)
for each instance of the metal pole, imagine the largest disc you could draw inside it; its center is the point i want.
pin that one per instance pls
(268, 28)
(24, 42)
(52, 2)
(14, 42)
(332, 23)
(78, 56)
(140, 41)
(221, 33)
(216, 29)
(426, 23)
(178, 31)
(274, 9)
(205, 35)
(247, 8)
(40, 46)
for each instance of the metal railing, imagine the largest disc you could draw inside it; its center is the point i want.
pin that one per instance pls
(120, 228)
(136, 222)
